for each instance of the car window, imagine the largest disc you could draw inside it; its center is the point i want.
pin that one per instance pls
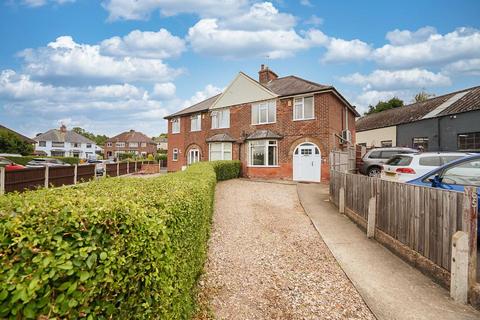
(433, 161)
(466, 174)
(447, 159)
(400, 161)
(374, 155)
(388, 154)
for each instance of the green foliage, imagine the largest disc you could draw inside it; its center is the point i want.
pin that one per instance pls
(11, 143)
(161, 156)
(423, 96)
(150, 157)
(226, 169)
(98, 139)
(385, 105)
(111, 249)
(24, 160)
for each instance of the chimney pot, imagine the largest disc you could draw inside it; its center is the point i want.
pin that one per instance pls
(265, 75)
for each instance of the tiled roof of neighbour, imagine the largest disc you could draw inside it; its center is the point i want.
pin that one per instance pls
(263, 134)
(59, 136)
(221, 137)
(131, 136)
(198, 107)
(291, 85)
(451, 103)
(27, 139)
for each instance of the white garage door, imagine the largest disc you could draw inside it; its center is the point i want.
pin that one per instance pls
(306, 163)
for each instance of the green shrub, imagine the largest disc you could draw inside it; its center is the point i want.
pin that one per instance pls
(110, 249)
(225, 169)
(24, 160)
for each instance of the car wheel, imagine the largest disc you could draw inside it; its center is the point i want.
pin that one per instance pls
(374, 172)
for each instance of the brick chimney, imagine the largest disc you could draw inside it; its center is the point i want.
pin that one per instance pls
(266, 75)
(63, 128)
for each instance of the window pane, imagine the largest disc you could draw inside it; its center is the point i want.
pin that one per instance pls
(216, 146)
(225, 118)
(214, 120)
(227, 155)
(430, 161)
(227, 147)
(255, 113)
(263, 114)
(400, 161)
(272, 110)
(298, 114)
(258, 153)
(388, 154)
(466, 174)
(272, 155)
(308, 108)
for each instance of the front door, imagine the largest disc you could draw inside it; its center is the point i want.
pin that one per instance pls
(193, 156)
(306, 163)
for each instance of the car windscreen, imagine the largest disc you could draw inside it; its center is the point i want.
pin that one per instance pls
(400, 161)
(447, 159)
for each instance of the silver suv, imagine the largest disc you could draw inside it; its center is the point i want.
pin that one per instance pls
(373, 160)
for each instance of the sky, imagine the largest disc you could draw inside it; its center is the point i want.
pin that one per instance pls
(113, 65)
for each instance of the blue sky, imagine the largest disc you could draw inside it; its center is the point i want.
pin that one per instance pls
(114, 65)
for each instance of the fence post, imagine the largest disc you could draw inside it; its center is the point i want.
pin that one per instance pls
(135, 165)
(372, 216)
(46, 176)
(75, 172)
(469, 225)
(341, 200)
(459, 269)
(2, 181)
(128, 167)
(105, 166)
(118, 169)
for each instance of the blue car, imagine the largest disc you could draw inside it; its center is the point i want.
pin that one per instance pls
(454, 176)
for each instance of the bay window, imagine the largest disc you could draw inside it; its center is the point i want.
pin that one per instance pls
(264, 112)
(196, 122)
(220, 151)
(303, 108)
(176, 125)
(220, 118)
(263, 153)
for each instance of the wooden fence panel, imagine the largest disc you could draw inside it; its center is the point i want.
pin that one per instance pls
(24, 179)
(60, 176)
(122, 168)
(85, 173)
(111, 169)
(131, 167)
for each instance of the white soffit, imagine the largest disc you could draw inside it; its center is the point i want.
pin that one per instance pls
(445, 105)
(242, 89)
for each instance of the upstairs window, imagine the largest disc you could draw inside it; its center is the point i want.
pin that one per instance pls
(58, 144)
(133, 144)
(89, 145)
(120, 144)
(42, 143)
(176, 125)
(303, 108)
(109, 144)
(220, 119)
(144, 144)
(196, 122)
(264, 112)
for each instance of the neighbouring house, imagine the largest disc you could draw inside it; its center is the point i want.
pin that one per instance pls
(449, 122)
(19, 135)
(133, 142)
(65, 143)
(280, 128)
(162, 144)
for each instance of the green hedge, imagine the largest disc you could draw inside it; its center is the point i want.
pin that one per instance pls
(227, 169)
(111, 249)
(24, 160)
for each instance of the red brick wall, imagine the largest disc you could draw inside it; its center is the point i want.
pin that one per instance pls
(321, 131)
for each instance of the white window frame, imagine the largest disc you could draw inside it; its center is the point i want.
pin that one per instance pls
(143, 144)
(303, 108)
(89, 145)
(120, 144)
(223, 150)
(264, 105)
(175, 154)
(176, 125)
(133, 144)
(197, 118)
(267, 144)
(42, 144)
(217, 116)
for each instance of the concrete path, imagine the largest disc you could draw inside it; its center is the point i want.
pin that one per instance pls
(390, 287)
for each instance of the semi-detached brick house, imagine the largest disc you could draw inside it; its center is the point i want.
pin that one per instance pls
(133, 142)
(281, 128)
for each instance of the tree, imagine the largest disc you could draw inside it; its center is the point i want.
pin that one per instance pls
(12, 143)
(385, 105)
(422, 96)
(98, 139)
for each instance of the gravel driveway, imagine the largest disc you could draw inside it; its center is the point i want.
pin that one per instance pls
(266, 260)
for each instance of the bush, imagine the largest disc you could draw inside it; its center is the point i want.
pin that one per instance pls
(112, 248)
(24, 160)
(226, 169)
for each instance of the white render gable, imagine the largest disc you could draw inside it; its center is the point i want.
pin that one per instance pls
(242, 89)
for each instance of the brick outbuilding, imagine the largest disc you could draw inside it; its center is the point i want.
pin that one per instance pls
(279, 128)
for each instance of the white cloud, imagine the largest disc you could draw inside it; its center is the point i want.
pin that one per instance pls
(314, 20)
(164, 90)
(372, 97)
(424, 47)
(306, 3)
(399, 79)
(340, 50)
(70, 62)
(209, 91)
(39, 3)
(144, 44)
(140, 10)
(466, 67)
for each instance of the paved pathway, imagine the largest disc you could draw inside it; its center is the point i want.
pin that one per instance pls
(267, 261)
(390, 287)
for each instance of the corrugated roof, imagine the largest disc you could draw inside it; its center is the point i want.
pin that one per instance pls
(131, 136)
(416, 111)
(59, 136)
(27, 139)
